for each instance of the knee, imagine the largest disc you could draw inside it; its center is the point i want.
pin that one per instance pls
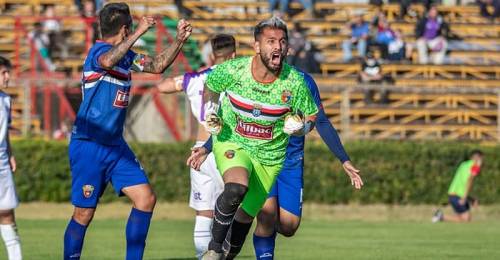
(83, 215)
(288, 228)
(266, 220)
(288, 231)
(234, 193)
(146, 202)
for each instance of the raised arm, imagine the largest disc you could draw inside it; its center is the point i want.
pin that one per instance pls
(162, 61)
(110, 58)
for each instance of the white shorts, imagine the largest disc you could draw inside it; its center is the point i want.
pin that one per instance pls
(8, 196)
(206, 184)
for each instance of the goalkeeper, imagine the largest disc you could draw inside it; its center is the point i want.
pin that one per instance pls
(250, 134)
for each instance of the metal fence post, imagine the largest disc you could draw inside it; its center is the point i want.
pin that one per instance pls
(345, 114)
(25, 130)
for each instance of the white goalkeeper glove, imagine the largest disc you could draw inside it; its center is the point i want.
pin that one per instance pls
(294, 123)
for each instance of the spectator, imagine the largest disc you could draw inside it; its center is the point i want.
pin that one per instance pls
(384, 37)
(297, 39)
(359, 36)
(397, 49)
(307, 58)
(52, 27)
(88, 13)
(430, 33)
(404, 6)
(183, 11)
(40, 40)
(483, 5)
(371, 73)
(284, 10)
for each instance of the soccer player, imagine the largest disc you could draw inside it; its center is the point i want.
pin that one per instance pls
(206, 183)
(250, 131)
(8, 196)
(458, 193)
(285, 198)
(98, 153)
(283, 209)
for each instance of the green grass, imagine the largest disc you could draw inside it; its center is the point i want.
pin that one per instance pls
(171, 239)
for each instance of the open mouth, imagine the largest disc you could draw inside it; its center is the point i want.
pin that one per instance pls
(276, 58)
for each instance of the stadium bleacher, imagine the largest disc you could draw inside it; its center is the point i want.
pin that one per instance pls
(472, 62)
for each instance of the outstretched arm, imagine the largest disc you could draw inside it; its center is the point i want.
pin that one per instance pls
(171, 85)
(110, 58)
(332, 140)
(162, 61)
(330, 136)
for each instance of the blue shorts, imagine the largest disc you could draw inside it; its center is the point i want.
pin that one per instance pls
(93, 165)
(455, 204)
(289, 186)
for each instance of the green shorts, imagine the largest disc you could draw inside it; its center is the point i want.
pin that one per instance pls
(261, 177)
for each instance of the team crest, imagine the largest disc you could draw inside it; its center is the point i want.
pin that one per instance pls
(286, 96)
(257, 108)
(87, 191)
(229, 154)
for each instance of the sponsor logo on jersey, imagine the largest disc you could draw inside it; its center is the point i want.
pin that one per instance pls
(121, 99)
(254, 130)
(286, 96)
(88, 190)
(256, 111)
(197, 196)
(229, 154)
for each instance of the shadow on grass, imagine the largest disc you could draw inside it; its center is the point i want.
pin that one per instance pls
(192, 258)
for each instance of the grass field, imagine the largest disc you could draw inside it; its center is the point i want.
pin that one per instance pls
(385, 233)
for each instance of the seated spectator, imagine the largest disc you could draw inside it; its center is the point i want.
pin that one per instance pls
(397, 49)
(284, 10)
(359, 36)
(371, 73)
(483, 5)
(383, 37)
(430, 32)
(40, 40)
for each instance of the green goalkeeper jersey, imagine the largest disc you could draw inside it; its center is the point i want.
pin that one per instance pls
(253, 112)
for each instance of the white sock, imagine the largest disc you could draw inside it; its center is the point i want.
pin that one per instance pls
(202, 234)
(12, 242)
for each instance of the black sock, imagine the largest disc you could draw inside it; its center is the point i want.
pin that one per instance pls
(225, 208)
(235, 238)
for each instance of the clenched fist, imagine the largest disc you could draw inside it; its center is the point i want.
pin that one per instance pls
(184, 30)
(145, 23)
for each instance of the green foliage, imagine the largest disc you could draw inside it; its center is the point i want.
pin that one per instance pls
(393, 172)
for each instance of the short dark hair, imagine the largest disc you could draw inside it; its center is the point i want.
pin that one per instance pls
(223, 44)
(273, 23)
(476, 152)
(112, 17)
(4, 62)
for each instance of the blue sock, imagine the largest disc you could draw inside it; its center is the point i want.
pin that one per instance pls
(264, 246)
(73, 240)
(136, 232)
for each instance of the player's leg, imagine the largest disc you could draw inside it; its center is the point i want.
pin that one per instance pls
(87, 185)
(260, 183)
(8, 231)
(235, 165)
(8, 202)
(206, 186)
(128, 177)
(265, 232)
(462, 211)
(290, 186)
